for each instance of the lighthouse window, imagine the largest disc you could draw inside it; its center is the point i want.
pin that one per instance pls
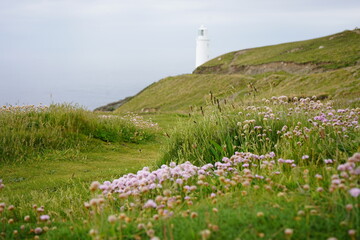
(201, 32)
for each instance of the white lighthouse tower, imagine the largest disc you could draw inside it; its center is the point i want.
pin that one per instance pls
(202, 46)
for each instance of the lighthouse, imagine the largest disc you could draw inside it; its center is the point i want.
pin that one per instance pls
(202, 46)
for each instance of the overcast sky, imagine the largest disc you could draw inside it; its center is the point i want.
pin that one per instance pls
(93, 52)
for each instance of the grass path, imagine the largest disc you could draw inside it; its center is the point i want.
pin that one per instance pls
(60, 176)
(51, 173)
(106, 162)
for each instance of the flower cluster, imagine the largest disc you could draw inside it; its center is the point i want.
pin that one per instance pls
(1, 184)
(24, 108)
(139, 121)
(348, 177)
(34, 224)
(164, 192)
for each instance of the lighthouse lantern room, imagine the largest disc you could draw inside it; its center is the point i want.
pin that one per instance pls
(202, 46)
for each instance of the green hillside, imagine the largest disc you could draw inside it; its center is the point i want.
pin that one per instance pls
(327, 66)
(330, 52)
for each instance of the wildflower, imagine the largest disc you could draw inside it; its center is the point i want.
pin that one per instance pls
(150, 232)
(44, 218)
(94, 186)
(193, 215)
(355, 192)
(179, 181)
(215, 210)
(86, 205)
(150, 204)
(245, 183)
(349, 207)
(288, 231)
(318, 177)
(27, 218)
(40, 209)
(112, 219)
(38, 230)
(205, 234)
(328, 161)
(352, 232)
(122, 216)
(167, 192)
(305, 157)
(93, 232)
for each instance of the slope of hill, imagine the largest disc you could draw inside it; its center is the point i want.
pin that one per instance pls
(321, 54)
(327, 66)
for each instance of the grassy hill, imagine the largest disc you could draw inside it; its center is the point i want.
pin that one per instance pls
(182, 92)
(326, 53)
(327, 66)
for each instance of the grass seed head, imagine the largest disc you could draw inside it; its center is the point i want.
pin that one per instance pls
(260, 214)
(93, 232)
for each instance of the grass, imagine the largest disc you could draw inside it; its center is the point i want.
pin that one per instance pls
(60, 181)
(50, 155)
(62, 166)
(268, 199)
(32, 131)
(290, 132)
(189, 92)
(339, 50)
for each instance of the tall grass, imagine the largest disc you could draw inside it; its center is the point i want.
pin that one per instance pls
(289, 129)
(30, 131)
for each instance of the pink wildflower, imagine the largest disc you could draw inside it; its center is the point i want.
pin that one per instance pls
(355, 192)
(44, 218)
(150, 204)
(38, 230)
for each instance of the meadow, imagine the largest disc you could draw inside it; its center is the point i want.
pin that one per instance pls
(282, 168)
